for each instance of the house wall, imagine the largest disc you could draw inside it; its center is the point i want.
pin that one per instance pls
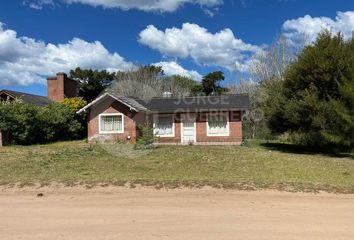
(177, 138)
(235, 130)
(131, 121)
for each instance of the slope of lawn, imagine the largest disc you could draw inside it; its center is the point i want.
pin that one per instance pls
(254, 167)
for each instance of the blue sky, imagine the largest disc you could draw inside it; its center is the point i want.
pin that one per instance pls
(189, 37)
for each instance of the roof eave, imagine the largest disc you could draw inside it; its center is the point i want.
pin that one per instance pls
(6, 92)
(199, 110)
(97, 100)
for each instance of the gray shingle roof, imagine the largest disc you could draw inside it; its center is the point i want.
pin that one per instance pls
(28, 98)
(199, 103)
(187, 104)
(131, 102)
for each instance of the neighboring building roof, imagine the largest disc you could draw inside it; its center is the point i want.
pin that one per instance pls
(187, 104)
(199, 103)
(27, 98)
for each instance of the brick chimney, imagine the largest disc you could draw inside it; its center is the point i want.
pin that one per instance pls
(60, 87)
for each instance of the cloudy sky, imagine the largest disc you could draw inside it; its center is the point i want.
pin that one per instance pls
(188, 37)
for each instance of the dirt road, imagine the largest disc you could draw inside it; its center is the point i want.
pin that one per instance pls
(121, 213)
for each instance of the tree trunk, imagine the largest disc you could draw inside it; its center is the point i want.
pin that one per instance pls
(253, 129)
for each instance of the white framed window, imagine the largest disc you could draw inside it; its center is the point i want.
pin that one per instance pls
(111, 123)
(218, 124)
(164, 125)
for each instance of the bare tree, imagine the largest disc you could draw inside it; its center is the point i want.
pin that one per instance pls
(272, 62)
(143, 83)
(267, 66)
(149, 81)
(179, 86)
(244, 87)
(176, 89)
(253, 117)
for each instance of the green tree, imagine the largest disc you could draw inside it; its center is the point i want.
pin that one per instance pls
(18, 121)
(211, 83)
(91, 82)
(316, 99)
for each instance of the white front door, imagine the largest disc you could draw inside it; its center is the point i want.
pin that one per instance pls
(188, 128)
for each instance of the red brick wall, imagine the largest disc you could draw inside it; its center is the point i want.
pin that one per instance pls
(60, 87)
(177, 137)
(131, 120)
(235, 130)
(55, 87)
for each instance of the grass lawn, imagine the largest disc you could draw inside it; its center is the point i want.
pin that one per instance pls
(254, 167)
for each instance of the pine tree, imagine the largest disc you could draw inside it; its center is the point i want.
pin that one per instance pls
(318, 93)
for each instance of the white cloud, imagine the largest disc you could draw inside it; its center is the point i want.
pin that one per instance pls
(144, 5)
(38, 4)
(173, 68)
(205, 48)
(309, 27)
(25, 60)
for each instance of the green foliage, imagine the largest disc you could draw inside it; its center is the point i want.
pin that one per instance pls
(18, 121)
(146, 71)
(28, 124)
(211, 83)
(57, 122)
(92, 82)
(146, 137)
(274, 105)
(197, 90)
(75, 104)
(154, 70)
(252, 129)
(316, 99)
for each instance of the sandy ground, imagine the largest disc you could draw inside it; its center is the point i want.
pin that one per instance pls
(142, 213)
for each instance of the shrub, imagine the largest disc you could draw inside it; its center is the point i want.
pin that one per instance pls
(75, 104)
(146, 137)
(28, 124)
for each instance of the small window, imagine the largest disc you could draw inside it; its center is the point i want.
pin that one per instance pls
(111, 123)
(218, 124)
(164, 126)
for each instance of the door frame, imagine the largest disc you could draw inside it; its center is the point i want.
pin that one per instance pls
(194, 125)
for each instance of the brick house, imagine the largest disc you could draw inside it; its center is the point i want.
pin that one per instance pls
(197, 120)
